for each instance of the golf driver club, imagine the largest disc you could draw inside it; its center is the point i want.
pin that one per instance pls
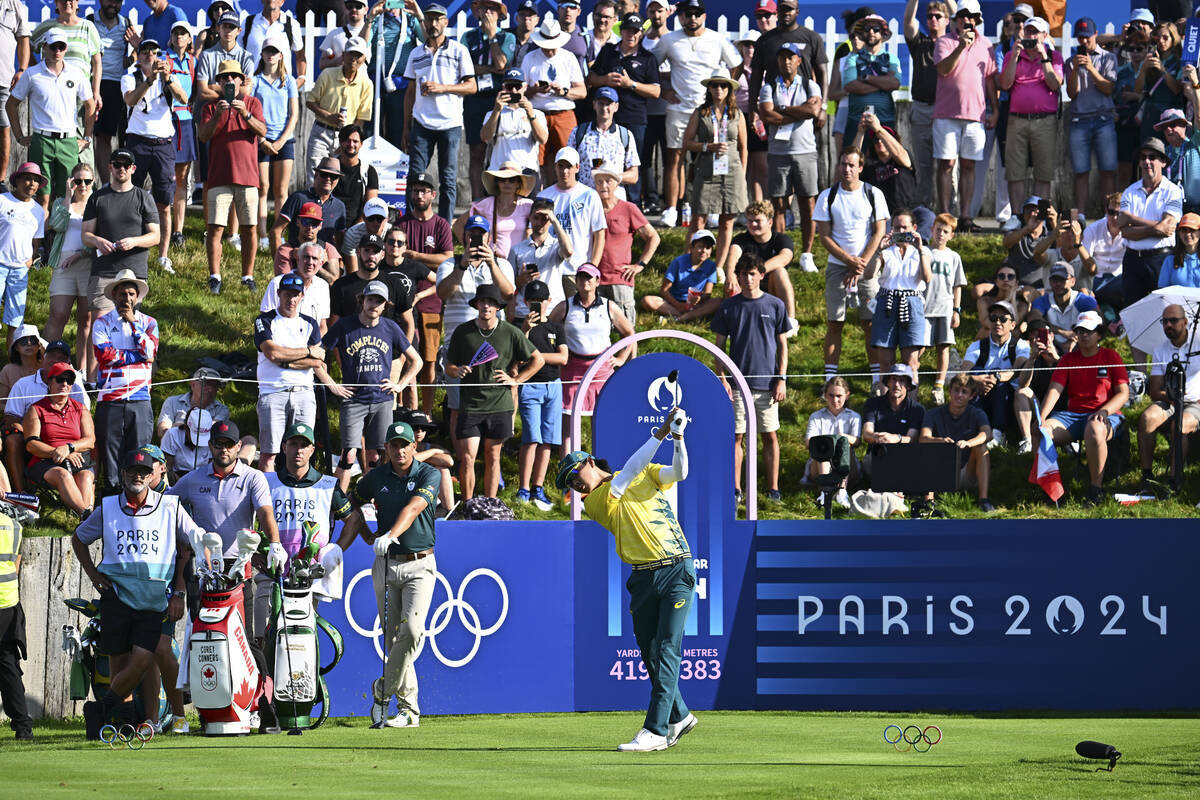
(387, 562)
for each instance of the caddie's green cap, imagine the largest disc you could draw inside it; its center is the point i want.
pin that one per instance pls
(568, 463)
(302, 430)
(401, 430)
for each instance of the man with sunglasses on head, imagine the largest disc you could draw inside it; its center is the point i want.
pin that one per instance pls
(53, 88)
(923, 89)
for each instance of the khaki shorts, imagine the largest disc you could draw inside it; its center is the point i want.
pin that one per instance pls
(222, 198)
(677, 122)
(72, 281)
(765, 407)
(622, 295)
(1031, 139)
(836, 294)
(431, 336)
(97, 294)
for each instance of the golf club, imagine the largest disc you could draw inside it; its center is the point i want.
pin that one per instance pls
(387, 562)
(295, 731)
(213, 560)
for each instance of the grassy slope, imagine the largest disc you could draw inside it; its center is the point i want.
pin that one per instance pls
(730, 754)
(194, 323)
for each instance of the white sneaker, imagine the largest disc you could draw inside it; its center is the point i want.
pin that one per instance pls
(264, 244)
(235, 242)
(1026, 446)
(669, 217)
(939, 395)
(842, 498)
(405, 719)
(180, 725)
(998, 440)
(793, 327)
(165, 265)
(1013, 223)
(644, 742)
(677, 730)
(806, 262)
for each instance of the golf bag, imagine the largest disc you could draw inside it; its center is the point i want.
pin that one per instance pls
(225, 682)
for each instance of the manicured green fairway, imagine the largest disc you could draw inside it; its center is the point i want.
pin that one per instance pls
(729, 754)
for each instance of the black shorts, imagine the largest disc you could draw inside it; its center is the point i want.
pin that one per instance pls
(497, 427)
(37, 472)
(157, 159)
(125, 628)
(114, 114)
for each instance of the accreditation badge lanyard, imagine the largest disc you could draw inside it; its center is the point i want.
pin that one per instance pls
(783, 92)
(721, 131)
(484, 81)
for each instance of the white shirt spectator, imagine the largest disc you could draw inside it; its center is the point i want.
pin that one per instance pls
(335, 41)
(1109, 251)
(562, 69)
(947, 268)
(298, 331)
(794, 138)
(53, 98)
(851, 217)
(256, 28)
(902, 270)
(450, 63)
(514, 138)
(580, 213)
(550, 270)
(822, 423)
(997, 357)
(457, 309)
(20, 223)
(175, 408)
(150, 116)
(1162, 356)
(692, 59)
(28, 390)
(1166, 199)
(314, 303)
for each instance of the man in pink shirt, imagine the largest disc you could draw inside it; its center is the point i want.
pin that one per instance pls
(1032, 75)
(966, 69)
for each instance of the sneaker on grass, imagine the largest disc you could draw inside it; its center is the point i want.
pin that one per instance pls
(677, 730)
(541, 500)
(214, 284)
(645, 742)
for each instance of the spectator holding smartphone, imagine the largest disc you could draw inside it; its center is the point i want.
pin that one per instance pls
(515, 129)
(903, 266)
(541, 398)
(1032, 75)
(540, 257)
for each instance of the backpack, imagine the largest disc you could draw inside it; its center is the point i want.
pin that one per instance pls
(480, 507)
(985, 347)
(582, 130)
(867, 192)
(284, 16)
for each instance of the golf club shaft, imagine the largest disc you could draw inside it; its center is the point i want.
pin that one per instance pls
(287, 649)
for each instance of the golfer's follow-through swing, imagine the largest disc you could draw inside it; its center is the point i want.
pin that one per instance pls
(631, 504)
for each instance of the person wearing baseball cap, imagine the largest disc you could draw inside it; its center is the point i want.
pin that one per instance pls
(581, 213)
(1095, 384)
(202, 392)
(333, 218)
(342, 95)
(1062, 305)
(604, 141)
(1032, 74)
(59, 439)
(24, 392)
(766, 16)
(375, 213)
(377, 361)
(1091, 127)
(53, 87)
(688, 282)
(994, 365)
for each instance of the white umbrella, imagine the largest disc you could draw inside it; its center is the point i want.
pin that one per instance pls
(1143, 319)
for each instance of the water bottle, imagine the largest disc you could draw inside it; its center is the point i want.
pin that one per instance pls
(685, 217)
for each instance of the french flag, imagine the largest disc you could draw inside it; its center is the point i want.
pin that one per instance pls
(1044, 470)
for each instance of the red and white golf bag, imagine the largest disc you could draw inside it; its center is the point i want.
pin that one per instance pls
(225, 682)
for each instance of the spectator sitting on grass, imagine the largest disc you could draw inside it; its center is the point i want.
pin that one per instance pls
(943, 298)
(1101, 251)
(896, 416)
(308, 228)
(992, 365)
(375, 221)
(1062, 305)
(1005, 287)
(835, 419)
(1160, 415)
(966, 426)
(904, 271)
(1096, 386)
(1182, 266)
(59, 436)
(1067, 239)
(201, 393)
(687, 283)
(1028, 242)
(185, 447)
(24, 393)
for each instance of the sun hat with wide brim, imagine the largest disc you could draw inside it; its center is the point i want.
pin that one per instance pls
(123, 277)
(509, 169)
(876, 19)
(720, 75)
(30, 168)
(549, 34)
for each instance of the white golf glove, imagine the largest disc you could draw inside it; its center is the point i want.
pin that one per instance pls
(277, 557)
(331, 558)
(678, 423)
(381, 545)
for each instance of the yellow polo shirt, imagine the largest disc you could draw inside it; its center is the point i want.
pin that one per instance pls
(641, 520)
(332, 92)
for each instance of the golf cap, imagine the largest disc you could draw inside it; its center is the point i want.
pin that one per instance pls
(695, 5)
(302, 430)
(1032, 200)
(569, 3)
(565, 466)
(136, 459)
(1038, 24)
(402, 431)
(121, 154)
(291, 282)
(149, 44)
(375, 207)
(1004, 306)
(514, 75)
(632, 21)
(61, 346)
(422, 178)
(568, 154)
(370, 240)
(311, 211)
(277, 41)
(1023, 9)
(206, 374)
(749, 36)
(181, 24)
(969, 7)
(536, 290)
(704, 234)
(1062, 269)
(60, 368)
(357, 44)
(1141, 15)
(588, 269)
(54, 36)
(902, 371)
(659, 3)
(790, 49)
(154, 451)
(607, 93)
(1089, 321)
(766, 5)
(230, 18)
(528, 7)
(199, 424)
(330, 165)
(419, 420)
(1190, 220)
(434, 8)
(376, 289)
(224, 430)
(1085, 26)
(478, 221)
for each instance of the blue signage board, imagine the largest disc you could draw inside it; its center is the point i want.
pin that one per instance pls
(1191, 42)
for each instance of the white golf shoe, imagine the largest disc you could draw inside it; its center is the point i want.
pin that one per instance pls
(405, 719)
(677, 730)
(644, 742)
(180, 725)
(806, 262)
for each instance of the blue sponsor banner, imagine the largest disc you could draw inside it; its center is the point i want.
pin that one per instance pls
(1065, 614)
(1191, 42)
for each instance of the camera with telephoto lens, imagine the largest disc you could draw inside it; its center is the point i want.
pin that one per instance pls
(835, 449)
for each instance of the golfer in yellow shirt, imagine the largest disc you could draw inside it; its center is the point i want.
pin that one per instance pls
(632, 506)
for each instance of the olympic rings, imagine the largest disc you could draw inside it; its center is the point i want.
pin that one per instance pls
(133, 738)
(912, 737)
(108, 735)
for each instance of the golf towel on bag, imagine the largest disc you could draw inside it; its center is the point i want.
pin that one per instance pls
(181, 682)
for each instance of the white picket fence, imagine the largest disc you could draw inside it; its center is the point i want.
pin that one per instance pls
(735, 29)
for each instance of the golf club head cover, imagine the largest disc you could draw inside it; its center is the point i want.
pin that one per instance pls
(331, 557)
(211, 550)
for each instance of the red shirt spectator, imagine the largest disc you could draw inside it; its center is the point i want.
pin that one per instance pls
(233, 149)
(1088, 389)
(59, 425)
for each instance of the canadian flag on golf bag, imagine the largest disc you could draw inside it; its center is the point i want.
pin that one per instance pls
(1044, 471)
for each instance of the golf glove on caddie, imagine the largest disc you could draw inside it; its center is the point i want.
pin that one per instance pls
(277, 557)
(331, 558)
(381, 545)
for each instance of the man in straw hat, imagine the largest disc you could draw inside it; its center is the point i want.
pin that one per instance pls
(22, 225)
(232, 129)
(125, 342)
(555, 83)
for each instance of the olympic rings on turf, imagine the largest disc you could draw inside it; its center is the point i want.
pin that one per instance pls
(133, 738)
(108, 735)
(912, 737)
